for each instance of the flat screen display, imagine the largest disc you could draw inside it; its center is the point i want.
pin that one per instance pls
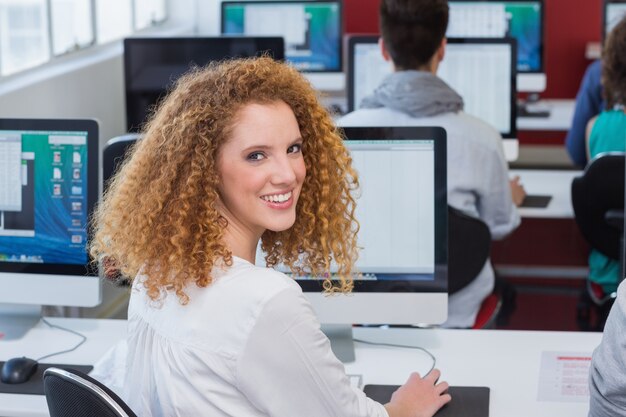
(481, 70)
(152, 65)
(48, 186)
(522, 20)
(614, 11)
(312, 29)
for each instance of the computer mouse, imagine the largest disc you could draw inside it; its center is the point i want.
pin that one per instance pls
(18, 370)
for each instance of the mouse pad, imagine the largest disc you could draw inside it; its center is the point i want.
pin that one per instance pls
(536, 201)
(34, 386)
(466, 401)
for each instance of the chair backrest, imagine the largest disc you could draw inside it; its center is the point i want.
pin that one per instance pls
(469, 243)
(75, 394)
(600, 189)
(113, 154)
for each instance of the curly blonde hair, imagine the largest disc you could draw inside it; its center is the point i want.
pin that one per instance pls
(159, 215)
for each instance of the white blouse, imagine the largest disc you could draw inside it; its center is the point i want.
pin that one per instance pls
(249, 344)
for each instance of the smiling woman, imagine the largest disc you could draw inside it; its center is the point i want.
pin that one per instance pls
(239, 152)
(165, 212)
(262, 171)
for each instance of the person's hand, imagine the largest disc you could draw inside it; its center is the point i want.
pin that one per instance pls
(110, 269)
(517, 191)
(419, 397)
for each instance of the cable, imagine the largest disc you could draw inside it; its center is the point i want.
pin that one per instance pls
(402, 346)
(84, 338)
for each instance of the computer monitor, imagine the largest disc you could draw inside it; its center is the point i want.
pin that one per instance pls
(481, 70)
(152, 65)
(48, 188)
(312, 30)
(520, 19)
(402, 211)
(614, 11)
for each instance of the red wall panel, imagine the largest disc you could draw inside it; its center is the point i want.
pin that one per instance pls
(569, 25)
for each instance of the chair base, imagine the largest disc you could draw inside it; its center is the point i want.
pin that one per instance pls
(590, 316)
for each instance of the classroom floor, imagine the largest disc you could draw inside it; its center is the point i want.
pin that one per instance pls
(545, 305)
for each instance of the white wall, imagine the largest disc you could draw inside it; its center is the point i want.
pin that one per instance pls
(94, 90)
(87, 84)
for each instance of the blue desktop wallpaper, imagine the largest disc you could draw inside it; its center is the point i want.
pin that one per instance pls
(324, 37)
(60, 204)
(525, 26)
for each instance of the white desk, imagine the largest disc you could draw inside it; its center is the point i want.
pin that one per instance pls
(506, 361)
(561, 115)
(548, 182)
(101, 336)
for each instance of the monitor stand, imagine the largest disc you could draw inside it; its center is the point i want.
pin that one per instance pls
(511, 149)
(341, 341)
(17, 319)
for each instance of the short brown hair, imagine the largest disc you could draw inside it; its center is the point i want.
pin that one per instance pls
(412, 30)
(614, 66)
(159, 216)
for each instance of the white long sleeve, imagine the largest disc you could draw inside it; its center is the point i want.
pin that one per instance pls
(248, 345)
(288, 368)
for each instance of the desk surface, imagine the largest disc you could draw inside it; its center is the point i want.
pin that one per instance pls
(42, 340)
(548, 182)
(561, 115)
(506, 361)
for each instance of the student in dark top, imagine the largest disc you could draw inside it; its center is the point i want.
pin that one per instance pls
(589, 103)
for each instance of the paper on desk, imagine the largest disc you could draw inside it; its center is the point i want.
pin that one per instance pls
(564, 377)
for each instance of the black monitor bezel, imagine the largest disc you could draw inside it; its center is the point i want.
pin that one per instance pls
(542, 29)
(65, 125)
(133, 125)
(370, 39)
(440, 282)
(605, 6)
(225, 4)
(353, 41)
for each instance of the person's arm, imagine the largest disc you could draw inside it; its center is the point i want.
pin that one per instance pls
(288, 369)
(497, 195)
(607, 374)
(588, 104)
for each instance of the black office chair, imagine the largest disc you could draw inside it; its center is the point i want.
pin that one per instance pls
(113, 155)
(75, 394)
(598, 202)
(469, 244)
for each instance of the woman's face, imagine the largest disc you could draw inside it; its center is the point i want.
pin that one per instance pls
(261, 169)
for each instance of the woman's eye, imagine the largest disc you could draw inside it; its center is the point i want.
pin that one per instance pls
(256, 156)
(294, 148)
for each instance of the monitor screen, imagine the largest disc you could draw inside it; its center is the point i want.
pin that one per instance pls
(48, 188)
(152, 65)
(401, 207)
(614, 11)
(481, 70)
(312, 29)
(519, 19)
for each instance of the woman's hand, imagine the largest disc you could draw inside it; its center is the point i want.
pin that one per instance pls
(419, 397)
